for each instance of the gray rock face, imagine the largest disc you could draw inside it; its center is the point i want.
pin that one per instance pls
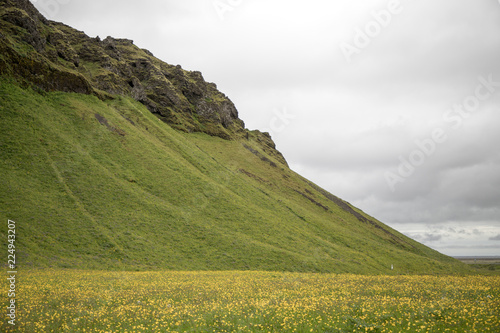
(29, 23)
(68, 60)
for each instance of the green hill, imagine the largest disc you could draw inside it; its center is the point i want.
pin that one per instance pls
(113, 159)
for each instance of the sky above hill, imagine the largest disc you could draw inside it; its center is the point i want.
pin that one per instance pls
(392, 105)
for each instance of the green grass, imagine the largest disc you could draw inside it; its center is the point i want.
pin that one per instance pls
(98, 301)
(123, 190)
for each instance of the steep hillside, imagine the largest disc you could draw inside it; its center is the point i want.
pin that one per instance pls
(113, 159)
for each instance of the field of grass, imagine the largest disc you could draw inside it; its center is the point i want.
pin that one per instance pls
(106, 185)
(99, 301)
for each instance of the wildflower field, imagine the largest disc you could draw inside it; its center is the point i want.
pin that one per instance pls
(98, 301)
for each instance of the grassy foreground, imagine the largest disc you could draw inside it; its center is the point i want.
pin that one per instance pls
(99, 301)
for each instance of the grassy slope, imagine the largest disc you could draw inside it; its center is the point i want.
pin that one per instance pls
(129, 192)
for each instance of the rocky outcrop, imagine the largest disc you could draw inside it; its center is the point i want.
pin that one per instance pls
(26, 17)
(54, 56)
(65, 59)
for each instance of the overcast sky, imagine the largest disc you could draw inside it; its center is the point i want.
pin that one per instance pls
(392, 105)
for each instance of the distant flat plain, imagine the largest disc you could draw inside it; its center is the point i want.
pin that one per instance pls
(479, 259)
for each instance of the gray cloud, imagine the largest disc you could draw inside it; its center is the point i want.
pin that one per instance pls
(431, 238)
(496, 238)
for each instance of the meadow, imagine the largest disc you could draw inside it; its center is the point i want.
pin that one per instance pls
(203, 301)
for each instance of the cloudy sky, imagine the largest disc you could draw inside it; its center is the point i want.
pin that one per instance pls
(392, 105)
